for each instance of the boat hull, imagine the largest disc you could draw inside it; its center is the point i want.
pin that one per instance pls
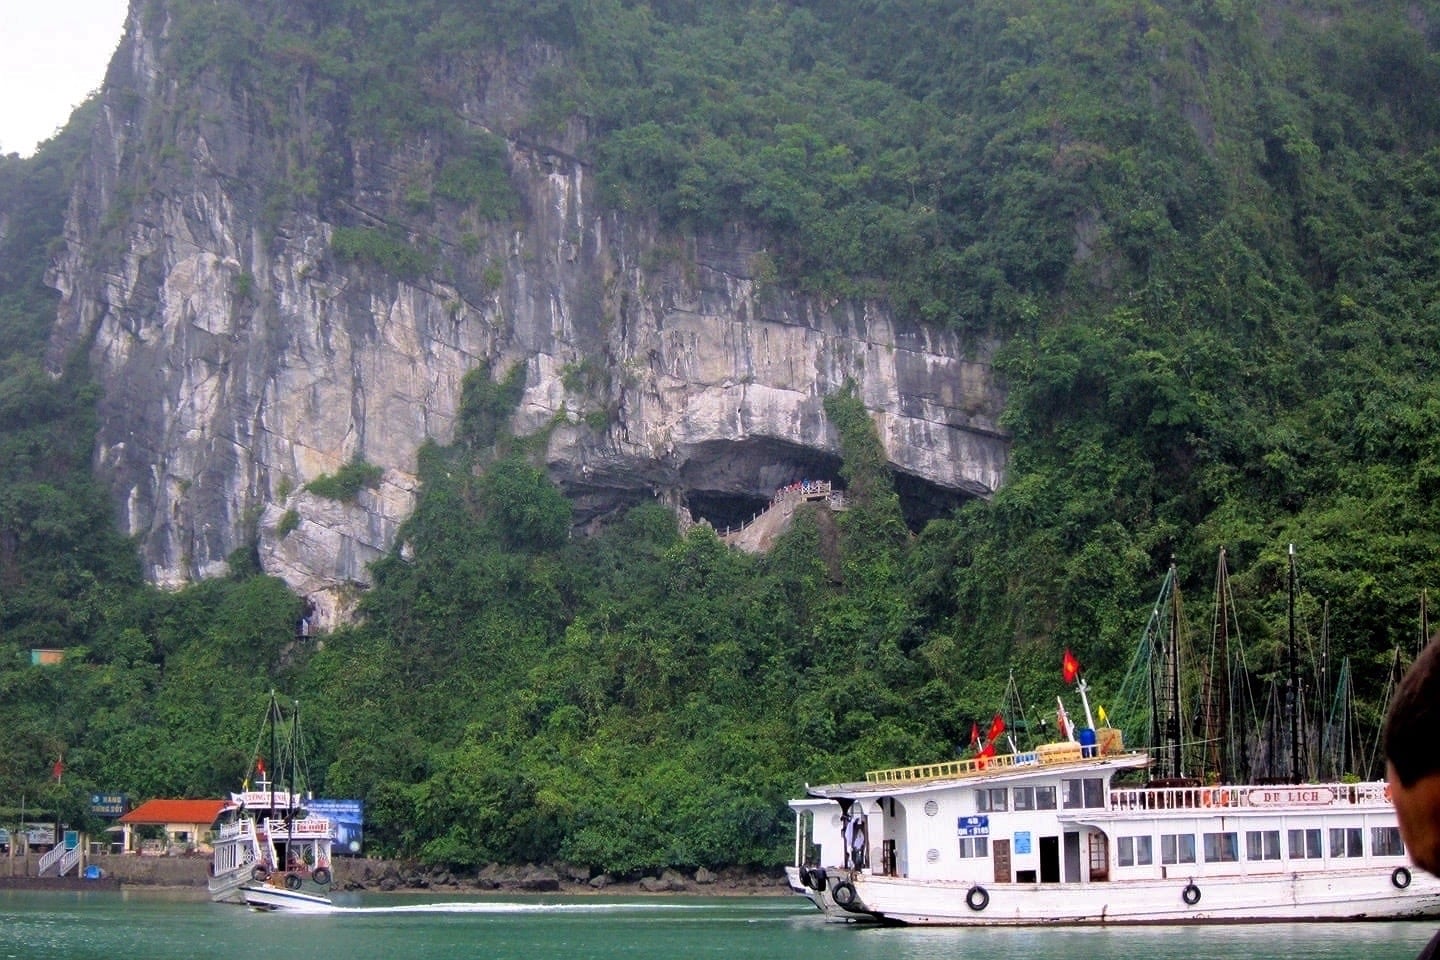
(818, 892)
(227, 887)
(266, 897)
(1333, 896)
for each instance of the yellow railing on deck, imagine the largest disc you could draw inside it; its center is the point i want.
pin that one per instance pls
(1046, 753)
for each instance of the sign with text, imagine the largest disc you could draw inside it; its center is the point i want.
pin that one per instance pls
(1022, 842)
(40, 834)
(978, 826)
(108, 804)
(1292, 796)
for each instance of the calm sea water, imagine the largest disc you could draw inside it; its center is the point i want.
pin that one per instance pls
(147, 925)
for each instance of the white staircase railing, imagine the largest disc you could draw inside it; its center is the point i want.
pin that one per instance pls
(61, 859)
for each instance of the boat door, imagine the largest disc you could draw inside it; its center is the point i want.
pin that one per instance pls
(1002, 860)
(1072, 858)
(1049, 859)
(1099, 856)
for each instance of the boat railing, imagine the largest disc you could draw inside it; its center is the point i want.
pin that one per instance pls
(1047, 753)
(1248, 796)
(243, 827)
(309, 828)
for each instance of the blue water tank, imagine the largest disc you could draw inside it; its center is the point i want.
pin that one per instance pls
(1088, 746)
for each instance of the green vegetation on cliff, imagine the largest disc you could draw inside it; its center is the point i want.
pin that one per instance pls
(1206, 231)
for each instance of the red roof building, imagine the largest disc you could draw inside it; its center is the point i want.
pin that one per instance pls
(184, 825)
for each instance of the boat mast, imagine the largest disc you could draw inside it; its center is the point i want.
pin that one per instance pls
(274, 739)
(1173, 727)
(1292, 682)
(1217, 702)
(294, 781)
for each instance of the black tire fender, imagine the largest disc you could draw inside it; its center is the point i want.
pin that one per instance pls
(1191, 894)
(321, 876)
(978, 898)
(292, 881)
(817, 879)
(1400, 877)
(844, 893)
(259, 874)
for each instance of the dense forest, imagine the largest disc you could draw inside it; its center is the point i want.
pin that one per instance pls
(1206, 231)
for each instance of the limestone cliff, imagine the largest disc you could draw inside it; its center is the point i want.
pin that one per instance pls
(240, 357)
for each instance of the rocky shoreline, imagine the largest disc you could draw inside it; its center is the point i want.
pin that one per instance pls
(393, 876)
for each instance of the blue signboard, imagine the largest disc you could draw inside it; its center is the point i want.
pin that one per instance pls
(347, 822)
(1022, 841)
(974, 826)
(108, 804)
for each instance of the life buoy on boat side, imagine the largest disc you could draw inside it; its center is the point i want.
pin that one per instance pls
(260, 874)
(1400, 878)
(844, 893)
(321, 876)
(1191, 894)
(292, 881)
(977, 899)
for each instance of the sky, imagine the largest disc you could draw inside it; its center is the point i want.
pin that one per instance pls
(53, 54)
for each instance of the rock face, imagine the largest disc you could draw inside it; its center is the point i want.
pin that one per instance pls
(240, 357)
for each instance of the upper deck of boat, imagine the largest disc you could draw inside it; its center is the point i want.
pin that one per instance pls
(1061, 759)
(1049, 758)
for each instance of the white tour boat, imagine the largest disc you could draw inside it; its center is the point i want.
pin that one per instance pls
(1089, 832)
(1048, 837)
(270, 853)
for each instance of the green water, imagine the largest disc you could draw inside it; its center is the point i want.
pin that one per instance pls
(146, 925)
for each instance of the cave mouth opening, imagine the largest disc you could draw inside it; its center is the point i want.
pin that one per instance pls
(727, 484)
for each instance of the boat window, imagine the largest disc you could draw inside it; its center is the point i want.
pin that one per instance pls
(1177, 848)
(972, 847)
(1089, 792)
(1346, 842)
(1024, 798)
(1305, 845)
(1222, 847)
(991, 799)
(1133, 851)
(1045, 798)
(1385, 842)
(1262, 845)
